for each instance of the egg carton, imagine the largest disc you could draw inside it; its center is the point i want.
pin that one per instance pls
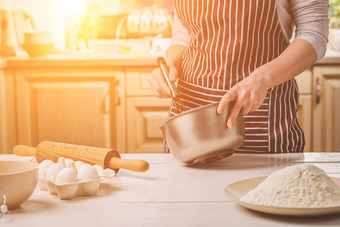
(69, 179)
(71, 190)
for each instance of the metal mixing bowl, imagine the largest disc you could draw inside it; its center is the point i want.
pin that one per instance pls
(201, 135)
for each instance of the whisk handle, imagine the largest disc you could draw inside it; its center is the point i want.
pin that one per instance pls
(165, 72)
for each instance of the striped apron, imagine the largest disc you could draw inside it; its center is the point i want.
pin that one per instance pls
(228, 40)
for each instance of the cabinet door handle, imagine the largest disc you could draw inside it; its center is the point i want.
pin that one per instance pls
(119, 93)
(317, 91)
(118, 98)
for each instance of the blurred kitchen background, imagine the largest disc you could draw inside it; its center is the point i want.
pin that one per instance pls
(76, 71)
(86, 24)
(98, 25)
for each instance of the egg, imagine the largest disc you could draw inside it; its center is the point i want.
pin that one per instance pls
(65, 176)
(87, 172)
(109, 173)
(53, 171)
(43, 167)
(78, 164)
(99, 170)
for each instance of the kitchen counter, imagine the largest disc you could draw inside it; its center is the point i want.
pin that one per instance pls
(110, 59)
(83, 59)
(171, 194)
(331, 57)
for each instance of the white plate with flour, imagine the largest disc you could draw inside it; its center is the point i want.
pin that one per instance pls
(236, 190)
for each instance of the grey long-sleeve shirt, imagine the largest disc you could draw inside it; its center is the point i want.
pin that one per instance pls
(309, 16)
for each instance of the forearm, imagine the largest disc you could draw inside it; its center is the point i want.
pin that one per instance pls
(298, 56)
(173, 56)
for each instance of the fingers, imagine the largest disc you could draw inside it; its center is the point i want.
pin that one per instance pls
(247, 105)
(173, 75)
(235, 110)
(156, 92)
(246, 109)
(240, 103)
(158, 85)
(226, 99)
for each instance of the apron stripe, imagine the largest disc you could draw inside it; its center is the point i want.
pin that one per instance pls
(248, 38)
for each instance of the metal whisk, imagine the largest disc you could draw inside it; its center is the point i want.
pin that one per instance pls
(177, 101)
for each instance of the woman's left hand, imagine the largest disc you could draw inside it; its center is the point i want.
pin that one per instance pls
(248, 95)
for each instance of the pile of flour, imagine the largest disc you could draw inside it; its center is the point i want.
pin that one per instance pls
(302, 185)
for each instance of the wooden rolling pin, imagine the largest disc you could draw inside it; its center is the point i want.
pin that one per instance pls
(106, 158)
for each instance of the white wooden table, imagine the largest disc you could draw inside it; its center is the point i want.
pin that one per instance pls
(171, 194)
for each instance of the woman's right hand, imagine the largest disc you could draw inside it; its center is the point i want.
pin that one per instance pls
(158, 84)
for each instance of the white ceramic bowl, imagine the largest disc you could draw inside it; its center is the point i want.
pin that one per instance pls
(38, 37)
(37, 49)
(18, 180)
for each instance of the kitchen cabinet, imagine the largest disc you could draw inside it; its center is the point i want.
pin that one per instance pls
(71, 105)
(144, 116)
(2, 112)
(102, 103)
(7, 113)
(304, 114)
(145, 113)
(108, 103)
(326, 108)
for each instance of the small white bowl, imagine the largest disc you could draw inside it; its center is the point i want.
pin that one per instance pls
(18, 180)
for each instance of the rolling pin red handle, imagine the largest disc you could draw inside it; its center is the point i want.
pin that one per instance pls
(130, 164)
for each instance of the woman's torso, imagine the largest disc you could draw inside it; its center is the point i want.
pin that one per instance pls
(228, 40)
